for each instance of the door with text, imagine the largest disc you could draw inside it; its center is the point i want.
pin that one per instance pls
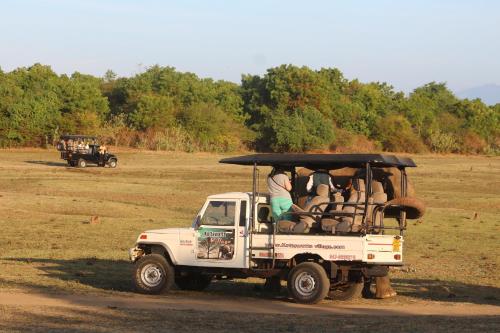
(215, 238)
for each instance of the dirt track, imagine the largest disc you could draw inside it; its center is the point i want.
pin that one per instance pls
(244, 305)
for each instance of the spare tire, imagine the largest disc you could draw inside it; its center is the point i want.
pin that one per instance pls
(413, 207)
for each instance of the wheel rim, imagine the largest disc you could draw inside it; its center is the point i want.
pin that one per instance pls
(305, 284)
(152, 275)
(112, 164)
(82, 164)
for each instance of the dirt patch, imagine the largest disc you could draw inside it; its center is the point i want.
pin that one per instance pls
(207, 302)
(62, 313)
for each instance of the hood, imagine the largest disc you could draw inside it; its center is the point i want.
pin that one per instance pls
(166, 231)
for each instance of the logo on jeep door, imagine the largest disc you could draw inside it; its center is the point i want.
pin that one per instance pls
(215, 243)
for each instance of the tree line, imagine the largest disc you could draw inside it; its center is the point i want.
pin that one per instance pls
(288, 109)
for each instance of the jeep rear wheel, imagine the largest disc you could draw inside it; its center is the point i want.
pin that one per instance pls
(82, 163)
(193, 282)
(153, 274)
(308, 283)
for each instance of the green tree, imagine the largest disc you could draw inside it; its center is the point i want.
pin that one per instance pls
(153, 111)
(300, 130)
(29, 105)
(84, 108)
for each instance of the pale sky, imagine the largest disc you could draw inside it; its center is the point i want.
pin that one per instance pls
(404, 43)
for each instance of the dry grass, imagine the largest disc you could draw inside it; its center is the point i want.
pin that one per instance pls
(457, 240)
(47, 242)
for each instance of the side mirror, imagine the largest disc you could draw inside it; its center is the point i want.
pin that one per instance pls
(197, 222)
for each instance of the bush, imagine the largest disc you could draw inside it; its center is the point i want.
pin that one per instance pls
(472, 143)
(441, 142)
(395, 134)
(169, 139)
(348, 142)
(213, 129)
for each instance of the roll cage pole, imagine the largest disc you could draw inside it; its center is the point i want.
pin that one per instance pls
(402, 214)
(252, 214)
(294, 190)
(368, 189)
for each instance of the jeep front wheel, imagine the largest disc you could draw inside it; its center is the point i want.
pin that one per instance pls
(153, 274)
(308, 283)
(112, 163)
(82, 163)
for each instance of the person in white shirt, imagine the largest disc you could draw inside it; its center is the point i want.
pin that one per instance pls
(319, 176)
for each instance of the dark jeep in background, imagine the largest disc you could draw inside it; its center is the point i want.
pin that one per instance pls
(81, 150)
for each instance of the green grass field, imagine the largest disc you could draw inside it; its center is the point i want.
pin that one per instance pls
(47, 243)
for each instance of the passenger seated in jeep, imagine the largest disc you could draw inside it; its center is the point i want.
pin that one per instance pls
(351, 215)
(310, 215)
(318, 177)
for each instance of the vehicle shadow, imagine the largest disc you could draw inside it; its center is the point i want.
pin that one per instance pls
(447, 291)
(60, 164)
(48, 163)
(116, 275)
(104, 274)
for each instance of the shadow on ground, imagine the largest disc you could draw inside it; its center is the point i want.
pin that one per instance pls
(48, 163)
(116, 275)
(61, 164)
(447, 291)
(109, 275)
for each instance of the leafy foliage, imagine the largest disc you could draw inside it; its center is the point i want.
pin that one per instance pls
(288, 109)
(36, 105)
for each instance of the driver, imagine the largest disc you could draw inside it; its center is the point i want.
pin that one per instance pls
(102, 152)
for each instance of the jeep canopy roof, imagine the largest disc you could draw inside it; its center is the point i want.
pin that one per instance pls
(315, 161)
(78, 137)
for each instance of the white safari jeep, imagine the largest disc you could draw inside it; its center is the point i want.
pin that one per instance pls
(329, 247)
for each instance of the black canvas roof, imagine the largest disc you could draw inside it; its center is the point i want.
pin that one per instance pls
(321, 160)
(73, 137)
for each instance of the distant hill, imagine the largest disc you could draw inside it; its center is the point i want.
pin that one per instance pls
(489, 93)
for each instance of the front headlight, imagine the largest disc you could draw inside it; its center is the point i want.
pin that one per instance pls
(135, 253)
